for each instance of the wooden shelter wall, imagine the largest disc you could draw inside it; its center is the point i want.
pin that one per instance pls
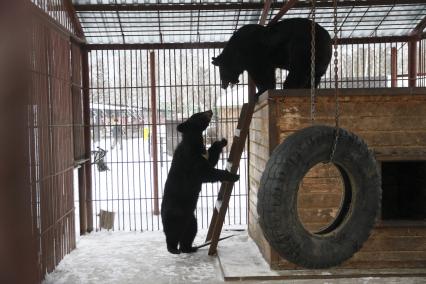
(393, 127)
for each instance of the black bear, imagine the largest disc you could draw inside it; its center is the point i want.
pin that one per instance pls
(286, 44)
(191, 166)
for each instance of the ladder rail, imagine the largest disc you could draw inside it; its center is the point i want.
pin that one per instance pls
(225, 191)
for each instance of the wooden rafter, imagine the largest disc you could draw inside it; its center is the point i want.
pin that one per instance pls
(265, 11)
(287, 6)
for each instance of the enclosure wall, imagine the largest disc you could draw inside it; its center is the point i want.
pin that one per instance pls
(55, 101)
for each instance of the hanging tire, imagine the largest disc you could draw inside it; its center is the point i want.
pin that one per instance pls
(279, 185)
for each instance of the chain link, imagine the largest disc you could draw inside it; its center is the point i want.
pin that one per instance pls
(313, 110)
(336, 83)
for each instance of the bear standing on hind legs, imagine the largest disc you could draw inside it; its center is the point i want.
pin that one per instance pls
(260, 50)
(191, 166)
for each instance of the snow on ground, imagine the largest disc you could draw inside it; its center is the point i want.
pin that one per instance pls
(141, 257)
(133, 257)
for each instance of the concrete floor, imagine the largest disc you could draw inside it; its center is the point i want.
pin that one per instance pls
(135, 257)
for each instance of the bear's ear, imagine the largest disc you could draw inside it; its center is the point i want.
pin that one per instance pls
(217, 60)
(181, 127)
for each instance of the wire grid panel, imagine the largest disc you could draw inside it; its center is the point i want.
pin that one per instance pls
(51, 149)
(421, 65)
(122, 124)
(374, 65)
(185, 83)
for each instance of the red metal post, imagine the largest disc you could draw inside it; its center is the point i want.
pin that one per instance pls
(154, 131)
(82, 199)
(412, 63)
(394, 69)
(86, 199)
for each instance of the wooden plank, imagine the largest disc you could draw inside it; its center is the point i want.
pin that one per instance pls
(321, 215)
(404, 106)
(390, 256)
(391, 123)
(315, 201)
(389, 265)
(280, 94)
(398, 243)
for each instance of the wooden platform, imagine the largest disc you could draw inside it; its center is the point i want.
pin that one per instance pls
(240, 259)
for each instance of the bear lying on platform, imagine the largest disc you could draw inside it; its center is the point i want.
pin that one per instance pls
(191, 166)
(260, 50)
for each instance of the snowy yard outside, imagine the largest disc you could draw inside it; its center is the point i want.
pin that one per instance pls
(127, 188)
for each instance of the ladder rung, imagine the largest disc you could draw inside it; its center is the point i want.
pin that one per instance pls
(218, 205)
(228, 166)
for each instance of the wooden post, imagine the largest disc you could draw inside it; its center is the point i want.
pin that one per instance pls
(412, 63)
(154, 151)
(87, 201)
(394, 67)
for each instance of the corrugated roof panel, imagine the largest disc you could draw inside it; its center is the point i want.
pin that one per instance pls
(218, 25)
(120, 2)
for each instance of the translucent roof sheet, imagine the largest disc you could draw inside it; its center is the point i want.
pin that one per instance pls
(125, 21)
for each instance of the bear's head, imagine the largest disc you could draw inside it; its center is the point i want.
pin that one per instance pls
(196, 123)
(230, 67)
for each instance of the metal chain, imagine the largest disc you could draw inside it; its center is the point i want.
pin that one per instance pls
(313, 110)
(336, 83)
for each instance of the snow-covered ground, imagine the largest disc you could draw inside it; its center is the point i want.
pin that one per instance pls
(127, 188)
(141, 257)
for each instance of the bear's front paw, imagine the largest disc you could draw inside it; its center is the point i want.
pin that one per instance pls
(220, 144)
(223, 142)
(233, 177)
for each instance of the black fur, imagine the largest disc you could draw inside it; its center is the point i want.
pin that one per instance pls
(260, 50)
(188, 171)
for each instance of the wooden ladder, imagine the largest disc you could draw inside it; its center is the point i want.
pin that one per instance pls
(225, 191)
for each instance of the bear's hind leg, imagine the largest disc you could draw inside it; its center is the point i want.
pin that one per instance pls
(297, 79)
(188, 236)
(173, 230)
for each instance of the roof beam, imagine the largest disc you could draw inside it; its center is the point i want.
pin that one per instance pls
(150, 46)
(418, 30)
(73, 17)
(193, 45)
(265, 11)
(233, 6)
(382, 39)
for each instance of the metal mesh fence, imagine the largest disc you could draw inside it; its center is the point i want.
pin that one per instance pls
(139, 96)
(124, 118)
